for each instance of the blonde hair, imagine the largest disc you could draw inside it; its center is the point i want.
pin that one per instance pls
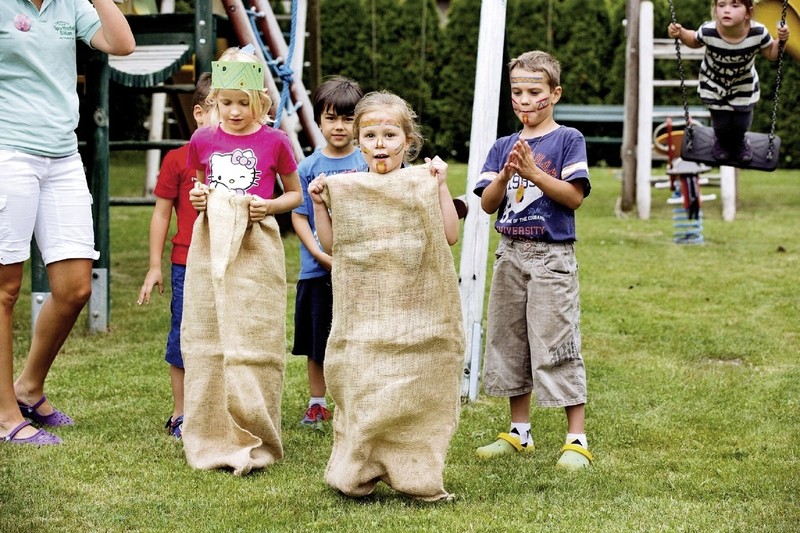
(260, 102)
(386, 101)
(538, 61)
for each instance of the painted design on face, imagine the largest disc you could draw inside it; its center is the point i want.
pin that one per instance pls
(22, 22)
(527, 79)
(543, 103)
(380, 122)
(381, 167)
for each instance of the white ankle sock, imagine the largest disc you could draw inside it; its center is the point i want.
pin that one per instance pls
(319, 401)
(580, 437)
(523, 431)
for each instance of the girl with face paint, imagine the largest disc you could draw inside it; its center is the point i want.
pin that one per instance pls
(389, 137)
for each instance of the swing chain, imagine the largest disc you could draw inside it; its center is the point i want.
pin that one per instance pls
(776, 96)
(689, 132)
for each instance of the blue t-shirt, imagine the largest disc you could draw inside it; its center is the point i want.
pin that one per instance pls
(38, 100)
(526, 213)
(308, 169)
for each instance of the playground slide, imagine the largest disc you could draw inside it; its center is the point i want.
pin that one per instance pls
(768, 13)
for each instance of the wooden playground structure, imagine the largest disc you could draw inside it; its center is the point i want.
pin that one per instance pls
(171, 51)
(641, 143)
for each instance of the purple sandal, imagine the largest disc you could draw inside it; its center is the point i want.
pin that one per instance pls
(54, 419)
(40, 438)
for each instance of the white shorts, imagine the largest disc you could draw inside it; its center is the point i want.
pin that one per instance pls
(47, 197)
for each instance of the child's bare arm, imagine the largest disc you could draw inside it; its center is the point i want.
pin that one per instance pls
(685, 35)
(292, 197)
(438, 170)
(772, 51)
(322, 218)
(159, 227)
(495, 192)
(303, 230)
(198, 196)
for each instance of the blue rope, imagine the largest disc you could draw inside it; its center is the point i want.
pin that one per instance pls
(281, 68)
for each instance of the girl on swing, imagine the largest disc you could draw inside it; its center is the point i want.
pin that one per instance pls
(728, 78)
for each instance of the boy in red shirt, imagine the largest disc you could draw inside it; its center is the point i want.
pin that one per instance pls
(175, 180)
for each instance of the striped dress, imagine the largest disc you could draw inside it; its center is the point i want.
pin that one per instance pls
(728, 77)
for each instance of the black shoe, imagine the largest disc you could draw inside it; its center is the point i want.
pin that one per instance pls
(719, 153)
(745, 152)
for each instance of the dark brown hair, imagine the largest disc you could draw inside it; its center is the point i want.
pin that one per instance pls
(337, 94)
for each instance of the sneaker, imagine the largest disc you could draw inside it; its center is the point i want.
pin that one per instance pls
(175, 427)
(316, 415)
(745, 152)
(506, 444)
(718, 152)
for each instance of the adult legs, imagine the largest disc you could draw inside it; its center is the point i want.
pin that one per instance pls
(10, 416)
(71, 287)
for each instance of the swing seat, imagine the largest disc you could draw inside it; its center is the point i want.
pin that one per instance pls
(703, 141)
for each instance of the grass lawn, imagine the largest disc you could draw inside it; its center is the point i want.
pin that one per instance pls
(693, 362)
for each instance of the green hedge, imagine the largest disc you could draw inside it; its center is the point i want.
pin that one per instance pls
(406, 46)
(428, 58)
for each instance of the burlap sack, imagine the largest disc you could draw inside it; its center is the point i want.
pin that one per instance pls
(233, 338)
(395, 352)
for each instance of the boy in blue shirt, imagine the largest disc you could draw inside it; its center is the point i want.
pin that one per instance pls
(334, 104)
(535, 180)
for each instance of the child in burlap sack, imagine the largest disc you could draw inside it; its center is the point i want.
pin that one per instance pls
(234, 327)
(394, 355)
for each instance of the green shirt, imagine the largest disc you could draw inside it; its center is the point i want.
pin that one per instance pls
(38, 77)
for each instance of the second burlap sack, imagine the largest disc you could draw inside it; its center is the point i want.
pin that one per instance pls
(394, 357)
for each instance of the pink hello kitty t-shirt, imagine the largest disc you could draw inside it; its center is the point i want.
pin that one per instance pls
(242, 164)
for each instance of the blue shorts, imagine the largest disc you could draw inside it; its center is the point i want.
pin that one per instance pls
(173, 355)
(313, 313)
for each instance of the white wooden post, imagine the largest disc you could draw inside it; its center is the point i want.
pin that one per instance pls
(727, 186)
(644, 149)
(298, 54)
(155, 125)
(475, 243)
(158, 106)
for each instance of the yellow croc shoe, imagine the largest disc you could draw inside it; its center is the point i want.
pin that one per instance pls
(574, 457)
(506, 444)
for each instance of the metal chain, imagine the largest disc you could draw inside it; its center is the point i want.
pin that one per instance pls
(688, 130)
(776, 97)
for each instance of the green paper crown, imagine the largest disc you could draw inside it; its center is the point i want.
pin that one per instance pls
(237, 75)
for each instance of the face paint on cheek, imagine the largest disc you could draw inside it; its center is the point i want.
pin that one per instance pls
(542, 104)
